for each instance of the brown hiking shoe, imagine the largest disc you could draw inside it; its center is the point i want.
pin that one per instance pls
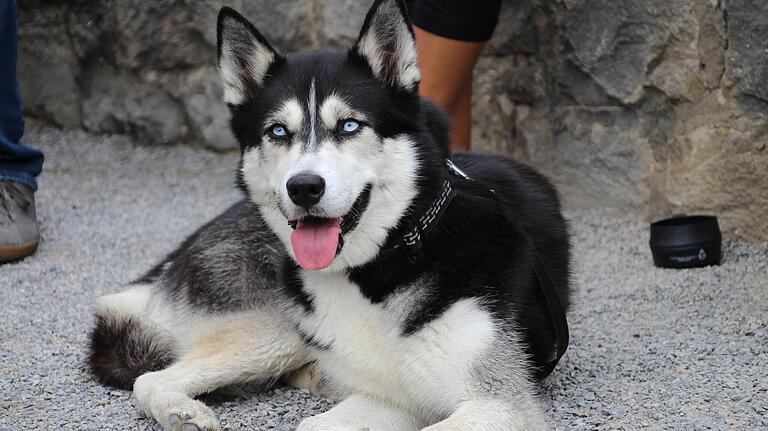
(19, 232)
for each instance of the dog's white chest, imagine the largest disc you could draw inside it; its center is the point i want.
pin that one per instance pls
(368, 352)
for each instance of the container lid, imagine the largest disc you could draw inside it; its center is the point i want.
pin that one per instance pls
(682, 230)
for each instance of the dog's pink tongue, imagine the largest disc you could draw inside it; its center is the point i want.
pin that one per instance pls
(315, 244)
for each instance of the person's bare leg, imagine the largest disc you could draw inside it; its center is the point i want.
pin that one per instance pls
(446, 78)
(461, 116)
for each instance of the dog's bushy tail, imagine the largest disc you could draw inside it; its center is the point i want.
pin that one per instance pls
(122, 349)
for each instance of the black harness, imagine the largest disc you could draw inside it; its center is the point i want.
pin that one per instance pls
(413, 239)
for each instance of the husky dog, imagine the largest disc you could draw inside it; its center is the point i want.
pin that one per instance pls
(406, 274)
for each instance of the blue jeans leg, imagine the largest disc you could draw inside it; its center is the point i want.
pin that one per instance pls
(18, 162)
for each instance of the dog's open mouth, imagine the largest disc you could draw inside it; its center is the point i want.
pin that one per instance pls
(316, 241)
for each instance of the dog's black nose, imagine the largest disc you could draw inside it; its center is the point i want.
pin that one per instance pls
(306, 189)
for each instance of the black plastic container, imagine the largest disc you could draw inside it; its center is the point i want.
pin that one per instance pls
(686, 242)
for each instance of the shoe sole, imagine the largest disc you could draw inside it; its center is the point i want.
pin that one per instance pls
(9, 254)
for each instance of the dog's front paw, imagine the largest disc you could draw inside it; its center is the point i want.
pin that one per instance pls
(177, 412)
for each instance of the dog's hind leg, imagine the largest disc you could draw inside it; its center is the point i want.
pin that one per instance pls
(249, 346)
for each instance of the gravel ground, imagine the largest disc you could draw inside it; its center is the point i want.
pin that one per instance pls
(651, 348)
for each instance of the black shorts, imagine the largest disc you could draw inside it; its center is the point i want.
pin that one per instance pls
(467, 20)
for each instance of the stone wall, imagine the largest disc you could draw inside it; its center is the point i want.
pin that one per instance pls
(655, 106)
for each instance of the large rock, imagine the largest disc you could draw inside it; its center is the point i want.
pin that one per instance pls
(576, 87)
(288, 25)
(675, 70)
(712, 43)
(48, 69)
(515, 32)
(493, 128)
(341, 21)
(200, 94)
(163, 34)
(622, 43)
(168, 34)
(613, 41)
(597, 157)
(92, 26)
(118, 102)
(748, 47)
(525, 83)
(720, 168)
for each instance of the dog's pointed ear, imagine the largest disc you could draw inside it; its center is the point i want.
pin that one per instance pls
(244, 56)
(388, 45)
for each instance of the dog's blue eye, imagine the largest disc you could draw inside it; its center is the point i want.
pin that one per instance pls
(278, 131)
(350, 126)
